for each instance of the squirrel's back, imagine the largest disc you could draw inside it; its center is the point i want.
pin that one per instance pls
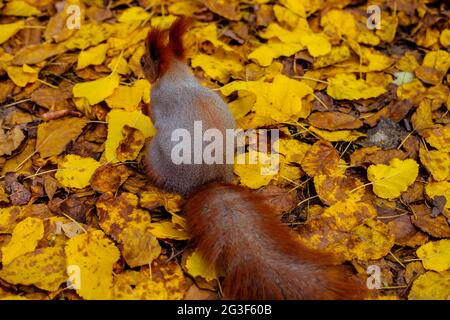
(178, 104)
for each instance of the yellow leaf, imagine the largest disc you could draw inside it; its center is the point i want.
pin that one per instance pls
(10, 29)
(196, 266)
(45, 268)
(75, 171)
(242, 105)
(332, 189)
(92, 255)
(20, 8)
(410, 90)
(338, 135)
(24, 239)
(434, 67)
(346, 86)
(217, 67)
(256, 169)
(53, 136)
(128, 98)
(117, 119)
(95, 55)
(8, 217)
(390, 181)
(118, 213)
(21, 76)
(295, 6)
(185, 8)
(134, 285)
(96, 91)
(423, 118)
(317, 44)
(293, 150)
(436, 162)
(165, 280)
(444, 38)
(90, 34)
(209, 33)
(265, 53)
(133, 14)
(167, 230)
(285, 16)
(435, 255)
(431, 286)
(120, 65)
(274, 30)
(349, 230)
(441, 188)
(438, 138)
(280, 100)
(153, 198)
(340, 22)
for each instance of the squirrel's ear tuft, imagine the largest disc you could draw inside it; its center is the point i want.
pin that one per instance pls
(156, 43)
(176, 33)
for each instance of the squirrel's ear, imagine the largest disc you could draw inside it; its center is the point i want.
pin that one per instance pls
(155, 44)
(176, 33)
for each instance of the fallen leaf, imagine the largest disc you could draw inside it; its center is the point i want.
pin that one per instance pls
(91, 256)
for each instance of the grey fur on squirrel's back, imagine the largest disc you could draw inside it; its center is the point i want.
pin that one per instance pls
(180, 112)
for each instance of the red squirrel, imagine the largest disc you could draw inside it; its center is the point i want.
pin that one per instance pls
(232, 227)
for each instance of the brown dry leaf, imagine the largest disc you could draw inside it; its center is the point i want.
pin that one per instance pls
(413, 270)
(131, 144)
(334, 121)
(108, 178)
(10, 140)
(53, 136)
(18, 194)
(35, 53)
(414, 193)
(321, 158)
(53, 98)
(281, 200)
(437, 227)
(405, 233)
(140, 247)
(395, 111)
(50, 186)
(375, 155)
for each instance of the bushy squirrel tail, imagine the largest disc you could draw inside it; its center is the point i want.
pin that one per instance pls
(235, 230)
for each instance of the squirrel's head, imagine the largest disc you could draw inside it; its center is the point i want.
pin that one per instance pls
(160, 49)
